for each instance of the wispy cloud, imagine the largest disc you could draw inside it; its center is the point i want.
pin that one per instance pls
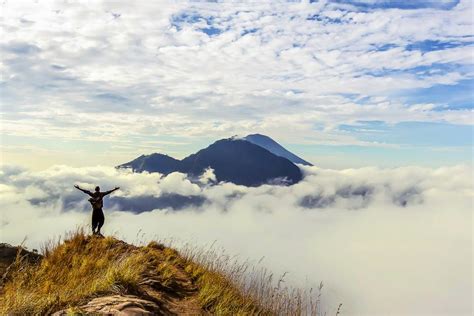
(116, 69)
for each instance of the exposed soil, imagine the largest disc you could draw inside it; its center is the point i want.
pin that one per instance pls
(152, 297)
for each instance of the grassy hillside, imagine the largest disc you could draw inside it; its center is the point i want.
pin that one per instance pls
(88, 274)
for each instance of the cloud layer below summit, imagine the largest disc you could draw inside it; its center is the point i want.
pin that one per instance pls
(382, 240)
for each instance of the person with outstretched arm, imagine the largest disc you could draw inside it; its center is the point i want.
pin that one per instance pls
(97, 204)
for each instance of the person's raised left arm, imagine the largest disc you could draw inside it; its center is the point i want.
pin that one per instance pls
(110, 191)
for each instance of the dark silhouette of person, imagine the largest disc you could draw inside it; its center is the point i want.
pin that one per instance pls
(97, 204)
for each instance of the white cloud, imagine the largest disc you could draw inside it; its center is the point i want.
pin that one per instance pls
(152, 68)
(384, 241)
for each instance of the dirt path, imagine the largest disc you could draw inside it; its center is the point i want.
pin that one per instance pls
(177, 296)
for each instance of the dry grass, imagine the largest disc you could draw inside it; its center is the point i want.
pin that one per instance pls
(230, 287)
(79, 268)
(82, 267)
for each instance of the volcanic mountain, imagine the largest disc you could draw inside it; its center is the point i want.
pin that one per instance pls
(235, 160)
(275, 148)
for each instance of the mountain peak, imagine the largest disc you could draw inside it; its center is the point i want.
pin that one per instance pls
(269, 144)
(242, 162)
(153, 163)
(258, 135)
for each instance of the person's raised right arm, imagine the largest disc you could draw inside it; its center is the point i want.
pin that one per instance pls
(85, 191)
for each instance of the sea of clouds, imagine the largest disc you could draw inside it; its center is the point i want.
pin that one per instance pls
(383, 241)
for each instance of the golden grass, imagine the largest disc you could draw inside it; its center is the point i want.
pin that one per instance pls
(83, 267)
(230, 287)
(80, 267)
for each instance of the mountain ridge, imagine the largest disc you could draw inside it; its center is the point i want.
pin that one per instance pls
(233, 160)
(91, 275)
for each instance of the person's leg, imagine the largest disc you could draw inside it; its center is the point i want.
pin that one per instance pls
(100, 220)
(95, 221)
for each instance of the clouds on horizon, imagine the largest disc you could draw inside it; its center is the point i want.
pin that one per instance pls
(382, 240)
(351, 189)
(137, 74)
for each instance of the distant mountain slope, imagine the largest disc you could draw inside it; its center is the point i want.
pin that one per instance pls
(233, 160)
(241, 162)
(153, 163)
(275, 148)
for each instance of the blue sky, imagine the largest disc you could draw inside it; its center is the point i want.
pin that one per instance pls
(341, 83)
(400, 4)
